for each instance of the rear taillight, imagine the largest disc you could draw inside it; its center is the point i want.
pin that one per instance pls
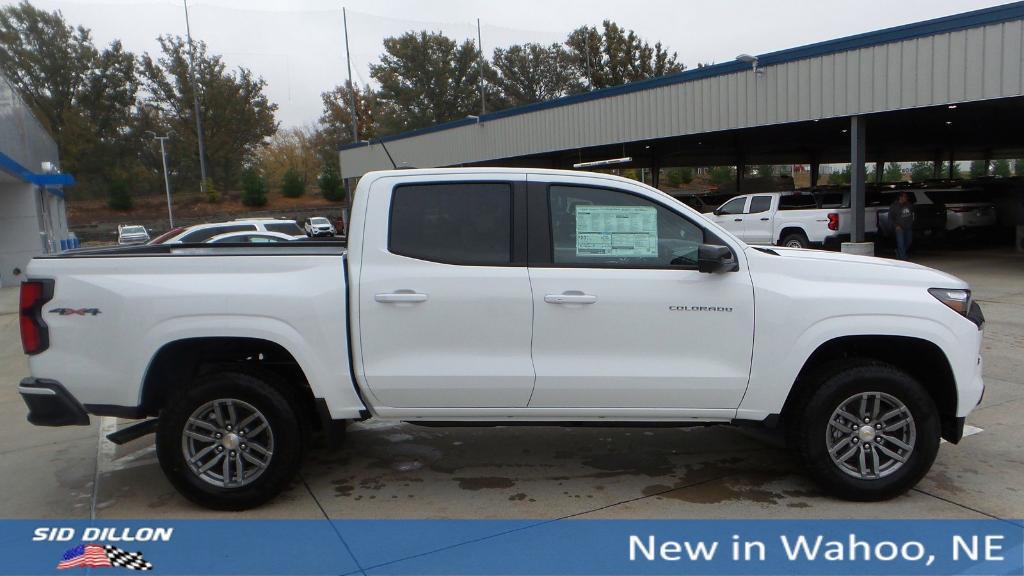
(833, 221)
(35, 336)
(961, 209)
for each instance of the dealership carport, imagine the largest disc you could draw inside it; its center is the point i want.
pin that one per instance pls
(949, 88)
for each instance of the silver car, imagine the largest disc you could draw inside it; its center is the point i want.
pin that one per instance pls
(132, 234)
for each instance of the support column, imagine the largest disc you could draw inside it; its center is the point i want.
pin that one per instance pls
(814, 173)
(857, 154)
(655, 172)
(879, 171)
(740, 167)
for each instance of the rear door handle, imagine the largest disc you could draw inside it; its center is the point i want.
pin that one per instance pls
(737, 219)
(399, 297)
(764, 219)
(570, 299)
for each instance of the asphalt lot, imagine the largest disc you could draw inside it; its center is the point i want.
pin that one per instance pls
(388, 470)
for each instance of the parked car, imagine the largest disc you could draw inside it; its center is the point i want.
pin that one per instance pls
(132, 234)
(318, 226)
(603, 301)
(792, 219)
(966, 210)
(203, 232)
(929, 216)
(250, 238)
(177, 230)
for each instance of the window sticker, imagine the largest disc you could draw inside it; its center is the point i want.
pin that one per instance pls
(628, 231)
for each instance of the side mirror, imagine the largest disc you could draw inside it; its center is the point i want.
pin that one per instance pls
(717, 212)
(712, 259)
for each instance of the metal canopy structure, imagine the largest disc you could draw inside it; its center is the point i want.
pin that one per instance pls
(952, 87)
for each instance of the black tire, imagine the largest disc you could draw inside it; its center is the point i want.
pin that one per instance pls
(253, 389)
(830, 389)
(795, 240)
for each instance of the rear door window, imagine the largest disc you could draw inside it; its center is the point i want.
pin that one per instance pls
(456, 223)
(290, 228)
(760, 204)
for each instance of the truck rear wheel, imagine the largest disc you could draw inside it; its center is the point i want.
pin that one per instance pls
(229, 442)
(795, 240)
(869, 432)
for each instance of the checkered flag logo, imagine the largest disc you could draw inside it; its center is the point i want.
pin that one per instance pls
(129, 560)
(96, 556)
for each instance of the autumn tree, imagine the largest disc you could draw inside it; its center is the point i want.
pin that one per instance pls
(426, 78)
(84, 96)
(237, 116)
(528, 73)
(613, 56)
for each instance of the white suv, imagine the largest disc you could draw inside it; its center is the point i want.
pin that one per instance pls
(203, 232)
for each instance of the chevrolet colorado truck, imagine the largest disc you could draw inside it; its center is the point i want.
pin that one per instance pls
(497, 297)
(791, 219)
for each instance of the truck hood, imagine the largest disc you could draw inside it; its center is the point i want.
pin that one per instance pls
(852, 267)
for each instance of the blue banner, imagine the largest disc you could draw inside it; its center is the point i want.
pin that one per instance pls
(513, 547)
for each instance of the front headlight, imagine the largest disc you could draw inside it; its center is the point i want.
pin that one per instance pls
(958, 299)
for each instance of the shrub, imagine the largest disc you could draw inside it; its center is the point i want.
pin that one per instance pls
(212, 194)
(254, 188)
(330, 184)
(292, 183)
(119, 198)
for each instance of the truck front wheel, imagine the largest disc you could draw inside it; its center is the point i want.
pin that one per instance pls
(869, 432)
(229, 442)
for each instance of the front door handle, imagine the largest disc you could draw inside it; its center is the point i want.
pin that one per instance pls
(400, 297)
(764, 219)
(737, 219)
(578, 298)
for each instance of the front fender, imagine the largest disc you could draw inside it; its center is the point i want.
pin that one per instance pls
(777, 362)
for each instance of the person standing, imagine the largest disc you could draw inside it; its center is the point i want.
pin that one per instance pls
(901, 216)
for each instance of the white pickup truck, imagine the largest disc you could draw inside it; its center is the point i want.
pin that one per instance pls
(792, 219)
(502, 296)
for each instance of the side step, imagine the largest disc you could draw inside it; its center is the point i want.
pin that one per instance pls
(125, 435)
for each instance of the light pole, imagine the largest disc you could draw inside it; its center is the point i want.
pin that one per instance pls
(167, 181)
(195, 103)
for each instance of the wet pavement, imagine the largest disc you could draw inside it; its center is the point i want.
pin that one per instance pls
(395, 470)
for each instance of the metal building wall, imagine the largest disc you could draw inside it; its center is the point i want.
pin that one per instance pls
(971, 64)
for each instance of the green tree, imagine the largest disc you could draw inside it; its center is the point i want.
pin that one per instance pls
(425, 78)
(979, 168)
(1001, 168)
(528, 73)
(954, 172)
(920, 171)
(330, 184)
(293, 185)
(676, 177)
(614, 56)
(254, 187)
(1018, 167)
(840, 177)
(765, 170)
(237, 116)
(83, 96)
(719, 175)
(893, 172)
(118, 195)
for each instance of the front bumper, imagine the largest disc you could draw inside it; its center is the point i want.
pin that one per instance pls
(50, 404)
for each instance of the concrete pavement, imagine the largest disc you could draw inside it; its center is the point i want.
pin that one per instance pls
(393, 470)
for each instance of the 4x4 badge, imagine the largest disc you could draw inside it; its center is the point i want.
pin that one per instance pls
(75, 311)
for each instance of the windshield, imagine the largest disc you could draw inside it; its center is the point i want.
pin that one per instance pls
(133, 230)
(319, 221)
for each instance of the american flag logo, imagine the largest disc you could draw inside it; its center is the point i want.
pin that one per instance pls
(99, 556)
